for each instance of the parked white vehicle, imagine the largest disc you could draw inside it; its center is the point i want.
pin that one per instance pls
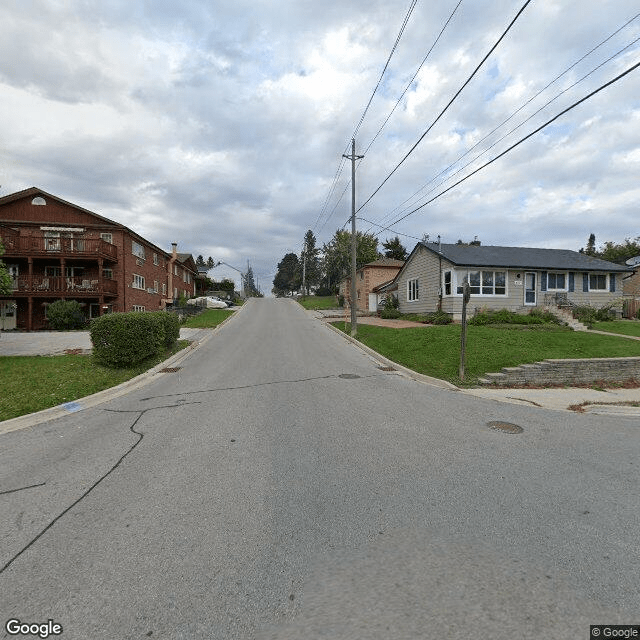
(209, 302)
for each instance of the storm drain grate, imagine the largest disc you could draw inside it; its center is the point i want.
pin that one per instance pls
(170, 369)
(386, 368)
(506, 427)
(348, 376)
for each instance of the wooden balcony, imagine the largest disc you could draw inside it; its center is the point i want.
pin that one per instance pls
(86, 286)
(38, 246)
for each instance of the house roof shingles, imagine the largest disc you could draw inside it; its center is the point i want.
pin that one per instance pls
(463, 255)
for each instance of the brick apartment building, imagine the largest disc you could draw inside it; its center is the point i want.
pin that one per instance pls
(57, 250)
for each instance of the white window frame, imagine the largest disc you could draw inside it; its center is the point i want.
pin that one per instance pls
(155, 259)
(462, 274)
(413, 290)
(139, 307)
(137, 250)
(138, 282)
(107, 237)
(606, 282)
(164, 288)
(558, 273)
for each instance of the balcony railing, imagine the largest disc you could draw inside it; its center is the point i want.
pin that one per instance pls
(39, 245)
(87, 285)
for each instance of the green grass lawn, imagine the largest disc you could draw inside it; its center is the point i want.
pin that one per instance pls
(312, 303)
(435, 350)
(208, 319)
(626, 327)
(33, 383)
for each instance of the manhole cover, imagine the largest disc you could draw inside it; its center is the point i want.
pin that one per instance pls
(386, 368)
(170, 369)
(348, 376)
(506, 427)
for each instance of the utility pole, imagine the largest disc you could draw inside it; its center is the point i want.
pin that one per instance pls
(353, 157)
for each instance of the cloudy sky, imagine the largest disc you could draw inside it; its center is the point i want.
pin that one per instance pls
(221, 124)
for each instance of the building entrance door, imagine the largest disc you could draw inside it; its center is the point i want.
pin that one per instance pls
(8, 313)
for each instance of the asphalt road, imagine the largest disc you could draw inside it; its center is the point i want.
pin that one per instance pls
(281, 485)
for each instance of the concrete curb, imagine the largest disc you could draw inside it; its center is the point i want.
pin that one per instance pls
(52, 413)
(419, 377)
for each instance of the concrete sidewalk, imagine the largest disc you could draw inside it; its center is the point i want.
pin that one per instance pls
(55, 343)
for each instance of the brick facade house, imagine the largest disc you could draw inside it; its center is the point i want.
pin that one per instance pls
(57, 250)
(368, 278)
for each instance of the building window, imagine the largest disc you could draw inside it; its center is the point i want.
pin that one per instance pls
(156, 288)
(107, 237)
(164, 289)
(597, 282)
(485, 283)
(175, 269)
(137, 307)
(137, 250)
(107, 274)
(556, 282)
(138, 281)
(155, 259)
(447, 283)
(413, 290)
(184, 276)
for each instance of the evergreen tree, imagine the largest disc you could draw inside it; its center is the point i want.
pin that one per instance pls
(200, 262)
(310, 261)
(394, 249)
(287, 278)
(210, 262)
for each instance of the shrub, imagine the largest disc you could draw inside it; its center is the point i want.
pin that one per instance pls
(324, 291)
(124, 339)
(589, 315)
(638, 314)
(341, 301)
(171, 327)
(504, 316)
(391, 302)
(390, 314)
(65, 314)
(438, 317)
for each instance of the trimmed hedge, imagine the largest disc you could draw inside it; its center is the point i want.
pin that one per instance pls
(124, 339)
(65, 314)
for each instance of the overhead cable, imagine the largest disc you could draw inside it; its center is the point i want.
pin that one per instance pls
(513, 146)
(493, 48)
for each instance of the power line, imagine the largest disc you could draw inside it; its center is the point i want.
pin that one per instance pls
(513, 146)
(413, 77)
(448, 168)
(448, 105)
(362, 117)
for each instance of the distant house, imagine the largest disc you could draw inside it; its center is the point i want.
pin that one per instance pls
(56, 250)
(368, 279)
(515, 278)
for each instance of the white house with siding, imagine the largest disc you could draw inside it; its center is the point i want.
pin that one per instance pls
(514, 278)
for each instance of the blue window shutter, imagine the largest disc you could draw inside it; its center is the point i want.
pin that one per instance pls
(572, 283)
(585, 282)
(612, 282)
(543, 281)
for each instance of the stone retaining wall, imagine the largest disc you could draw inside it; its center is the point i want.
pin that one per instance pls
(583, 371)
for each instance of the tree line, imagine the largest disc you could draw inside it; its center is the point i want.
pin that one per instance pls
(322, 269)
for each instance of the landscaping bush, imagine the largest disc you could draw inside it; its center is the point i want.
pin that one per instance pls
(504, 316)
(390, 314)
(171, 328)
(341, 301)
(438, 317)
(125, 339)
(323, 292)
(391, 302)
(589, 315)
(638, 314)
(65, 314)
